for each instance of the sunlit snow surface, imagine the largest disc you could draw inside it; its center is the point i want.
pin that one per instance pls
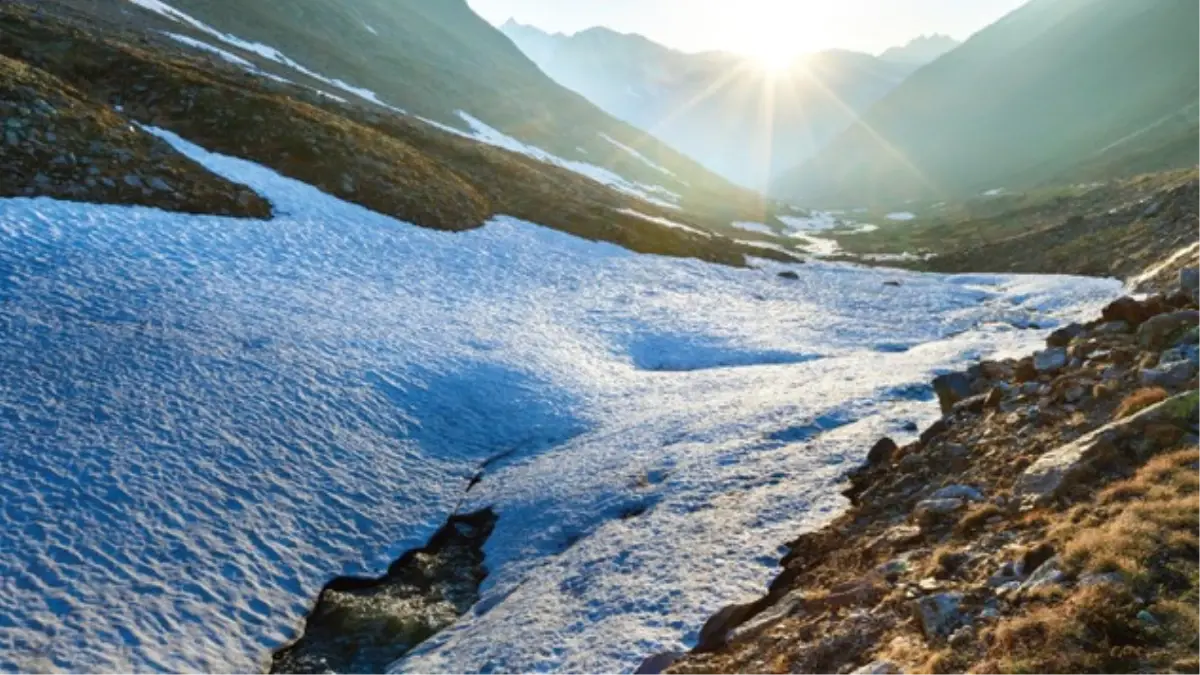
(203, 419)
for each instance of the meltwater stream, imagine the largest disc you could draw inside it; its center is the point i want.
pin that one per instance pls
(203, 420)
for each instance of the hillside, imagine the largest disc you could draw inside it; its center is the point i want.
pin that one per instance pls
(433, 59)
(767, 122)
(1058, 90)
(153, 64)
(1047, 522)
(920, 50)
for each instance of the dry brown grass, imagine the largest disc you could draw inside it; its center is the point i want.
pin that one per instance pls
(1145, 529)
(1140, 400)
(975, 519)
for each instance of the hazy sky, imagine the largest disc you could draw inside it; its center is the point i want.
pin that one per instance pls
(765, 28)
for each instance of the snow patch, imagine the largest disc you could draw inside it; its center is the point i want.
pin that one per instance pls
(635, 153)
(761, 228)
(265, 51)
(206, 418)
(664, 221)
(900, 215)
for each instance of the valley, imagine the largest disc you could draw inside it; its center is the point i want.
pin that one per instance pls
(376, 337)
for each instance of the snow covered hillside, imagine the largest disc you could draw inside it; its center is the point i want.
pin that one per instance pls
(203, 419)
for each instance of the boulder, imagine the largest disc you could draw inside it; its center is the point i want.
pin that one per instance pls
(933, 431)
(1045, 479)
(715, 632)
(932, 510)
(973, 404)
(882, 451)
(951, 388)
(653, 665)
(1171, 375)
(1050, 360)
(938, 615)
(1189, 281)
(1157, 331)
(1063, 336)
(1047, 574)
(1125, 309)
(788, 274)
(1112, 328)
(958, 492)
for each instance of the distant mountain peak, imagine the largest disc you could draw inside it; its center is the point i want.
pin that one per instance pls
(921, 49)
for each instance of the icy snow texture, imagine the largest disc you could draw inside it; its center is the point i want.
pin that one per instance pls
(748, 226)
(900, 215)
(817, 220)
(203, 419)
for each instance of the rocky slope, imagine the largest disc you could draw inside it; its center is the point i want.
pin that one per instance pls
(1056, 91)
(1047, 523)
(123, 64)
(769, 121)
(57, 142)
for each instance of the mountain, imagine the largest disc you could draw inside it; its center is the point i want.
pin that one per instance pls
(421, 111)
(1056, 90)
(920, 50)
(719, 108)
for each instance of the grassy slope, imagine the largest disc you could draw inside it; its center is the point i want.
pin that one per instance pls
(389, 163)
(1035, 97)
(433, 58)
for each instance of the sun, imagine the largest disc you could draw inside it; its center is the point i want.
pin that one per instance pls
(772, 56)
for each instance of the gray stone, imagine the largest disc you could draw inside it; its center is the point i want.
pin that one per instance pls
(1041, 481)
(928, 510)
(51, 137)
(1063, 336)
(1112, 328)
(1189, 281)
(1113, 578)
(1156, 331)
(1046, 574)
(108, 182)
(938, 615)
(653, 665)
(951, 388)
(159, 184)
(132, 180)
(1050, 360)
(962, 637)
(1171, 375)
(12, 138)
(958, 492)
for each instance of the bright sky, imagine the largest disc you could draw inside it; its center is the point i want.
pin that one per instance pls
(764, 28)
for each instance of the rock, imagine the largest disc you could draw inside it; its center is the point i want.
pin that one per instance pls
(958, 492)
(1189, 281)
(348, 185)
(1125, 309)
(933, 431)
(132, 180)
(159, 184)
(1156, 332)
(877, 668)
(1113, 578)
(971, 404)
(792, 604)
(1050, 360)
(891, 283)
(951, 388)
(938, 615)
(653, 665)
(12, 138)
(715, 631)
(931, 510)
(882, 451)
(788, 274)
(1025, 370)
(899, 535)
(1173, 375)
(1043, 480)
(1112, 328)
(1047, 574)
(994, 398)
(962, 637)
(1063, 336)
(955, 450)
(1147, 618)
(1034, 558)
(909, 426)
(1152, 209)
